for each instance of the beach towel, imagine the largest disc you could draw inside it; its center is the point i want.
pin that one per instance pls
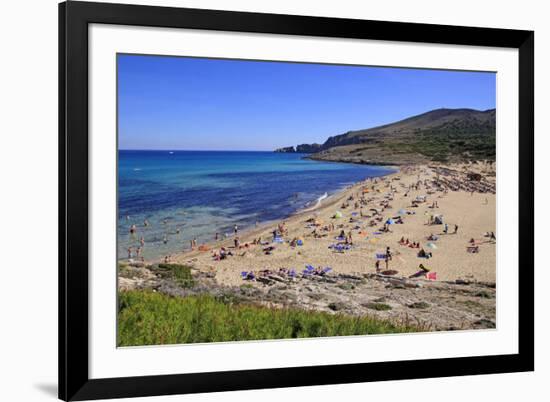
(432, 276)
(380, 256)
(340, 246)
(248, 276)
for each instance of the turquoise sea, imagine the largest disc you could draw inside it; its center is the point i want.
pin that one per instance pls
(194, 194)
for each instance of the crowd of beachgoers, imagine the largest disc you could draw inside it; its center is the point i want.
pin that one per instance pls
(432, 222)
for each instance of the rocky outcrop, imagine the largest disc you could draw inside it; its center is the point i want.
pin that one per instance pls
(286, 150)
(308, 148)
(461, 304)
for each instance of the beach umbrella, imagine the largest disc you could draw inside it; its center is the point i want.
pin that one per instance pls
(431, 245)
(390, 222)
(402, 212)
(338, 214)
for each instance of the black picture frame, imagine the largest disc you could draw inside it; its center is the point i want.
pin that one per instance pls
(74, 381)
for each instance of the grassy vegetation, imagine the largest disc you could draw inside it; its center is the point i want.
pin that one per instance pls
(147, 318)
(455, 139)
(378, 306)
(180, 274)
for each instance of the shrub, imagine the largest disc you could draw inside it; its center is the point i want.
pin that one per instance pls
(378, 306)
(180, 274)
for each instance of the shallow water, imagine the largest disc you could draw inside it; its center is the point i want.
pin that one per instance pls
(194, 194)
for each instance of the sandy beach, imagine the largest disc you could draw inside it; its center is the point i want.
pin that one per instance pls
(355, 223)
(448, 192)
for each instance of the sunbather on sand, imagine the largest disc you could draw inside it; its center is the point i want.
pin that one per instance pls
(423, 254)
(422, 272)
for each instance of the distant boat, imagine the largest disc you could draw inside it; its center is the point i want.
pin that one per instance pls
(171, 152)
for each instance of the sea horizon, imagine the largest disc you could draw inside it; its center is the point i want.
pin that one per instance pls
(201, 150)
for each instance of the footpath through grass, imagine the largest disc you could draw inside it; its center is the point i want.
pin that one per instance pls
(147, 318)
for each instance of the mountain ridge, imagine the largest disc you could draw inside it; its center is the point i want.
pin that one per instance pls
(438, 135)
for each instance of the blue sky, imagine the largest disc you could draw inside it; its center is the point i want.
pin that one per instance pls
(210, 104)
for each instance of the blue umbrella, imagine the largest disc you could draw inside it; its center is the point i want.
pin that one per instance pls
(390, 222)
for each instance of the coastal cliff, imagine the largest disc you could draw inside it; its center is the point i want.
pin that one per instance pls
(308, 148)
(441, 135)
(285, 150)
(302, 148)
